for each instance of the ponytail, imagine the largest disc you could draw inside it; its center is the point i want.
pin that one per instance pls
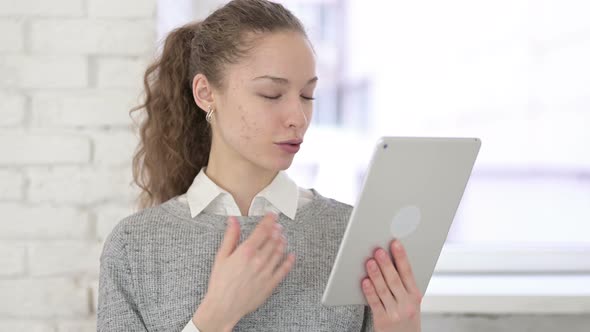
(175, 139)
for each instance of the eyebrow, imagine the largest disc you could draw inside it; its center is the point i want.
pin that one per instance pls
(281, 80)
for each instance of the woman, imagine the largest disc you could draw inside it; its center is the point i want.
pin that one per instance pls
(227, 107)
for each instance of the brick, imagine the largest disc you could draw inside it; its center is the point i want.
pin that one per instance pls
(12, 185)
(114, 147)
(12, 260)
(120, 72)
(86, 185)
(64, 259)
(42, 222)
(25, 326)
(43, 298)
(89, 108)
(62, 8)
(94, 294)
(108, 216)
(122, 9)
(88, 325)
(93, 37)
(20, 148)
(11, 35)
(12, 108)
(25, 71)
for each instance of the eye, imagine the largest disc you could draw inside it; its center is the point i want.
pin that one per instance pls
(308, 98)
(271, 97)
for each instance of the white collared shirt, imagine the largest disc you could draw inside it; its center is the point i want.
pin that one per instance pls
(281, 195)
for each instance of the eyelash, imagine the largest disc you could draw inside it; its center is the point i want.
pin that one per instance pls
(279, 96)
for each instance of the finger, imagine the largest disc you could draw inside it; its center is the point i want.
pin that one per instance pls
(392, 278)
(380, 286)
(268, 249)
(231, 238)
(263, 231)
(404, 267)
(283, 270)
(276, 256)
(372, 298)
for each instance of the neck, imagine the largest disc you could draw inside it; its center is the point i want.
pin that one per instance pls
(242, 179)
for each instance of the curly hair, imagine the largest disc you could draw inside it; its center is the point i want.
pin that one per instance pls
(175, 138)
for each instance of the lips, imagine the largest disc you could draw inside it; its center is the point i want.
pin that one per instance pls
(290, 146)
(294, 141)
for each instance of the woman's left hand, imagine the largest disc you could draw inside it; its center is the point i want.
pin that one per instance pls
(392, 293)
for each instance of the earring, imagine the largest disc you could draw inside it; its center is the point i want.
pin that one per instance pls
(209, 114)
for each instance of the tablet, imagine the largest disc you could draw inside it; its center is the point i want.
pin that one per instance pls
(411, 191)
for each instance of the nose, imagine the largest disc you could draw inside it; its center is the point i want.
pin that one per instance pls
(296, 115)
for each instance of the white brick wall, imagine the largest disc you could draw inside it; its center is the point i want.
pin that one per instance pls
(41, 8)
(43, 222)
(113, 147)
(12, 108)
(12, 260)
(12, 40)
(25, 148)
(44, 298)
(64, 259)
(94, 36)
(77, 326)
(88, 108)
(70, 70)
(43, 72)
(12, 185)
(120, 72)
(121, 9)
(79, 185)
(25, 326)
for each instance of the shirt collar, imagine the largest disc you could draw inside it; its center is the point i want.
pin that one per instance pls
(282, 193)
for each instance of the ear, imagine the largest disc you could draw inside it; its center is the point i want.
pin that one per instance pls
(203, 92)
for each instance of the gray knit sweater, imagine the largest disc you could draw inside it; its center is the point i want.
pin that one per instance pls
(156, 263)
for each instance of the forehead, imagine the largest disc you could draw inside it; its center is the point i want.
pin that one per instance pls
(283, 54)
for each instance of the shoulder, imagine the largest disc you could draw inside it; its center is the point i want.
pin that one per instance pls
(333, 206)
(144, 224)
(331, 212)
(338, 205)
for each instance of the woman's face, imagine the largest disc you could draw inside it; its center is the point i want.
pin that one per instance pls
(266, 101)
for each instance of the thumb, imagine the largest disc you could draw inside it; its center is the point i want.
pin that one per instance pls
(231, 237)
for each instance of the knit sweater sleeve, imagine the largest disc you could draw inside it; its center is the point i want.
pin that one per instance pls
(117, 306)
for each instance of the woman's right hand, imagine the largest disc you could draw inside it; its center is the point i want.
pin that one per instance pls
(243, 278)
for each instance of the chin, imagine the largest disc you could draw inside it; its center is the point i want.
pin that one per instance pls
(283, 164)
